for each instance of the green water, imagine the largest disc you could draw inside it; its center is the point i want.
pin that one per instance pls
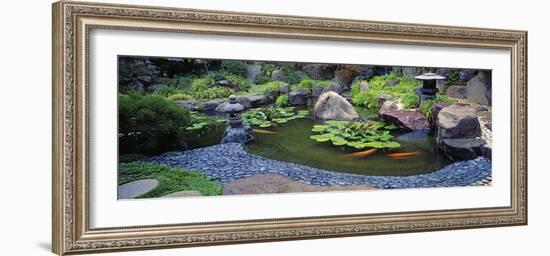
(291, 143)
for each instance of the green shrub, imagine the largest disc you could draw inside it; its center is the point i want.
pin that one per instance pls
(426, 105)
(170, 179)
(405, 90)
(168, 91)
(235, 67)
(240, 81)
(282, 101)
(213, 93)
(452, 78)
(261, 88)
(149, 124)
(410, 100)
(216, 76)
(180, 96)
(306, 84)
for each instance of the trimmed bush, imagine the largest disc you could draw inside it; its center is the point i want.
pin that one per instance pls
(235, 67)
(180, 96)
(281, 101)
(149, 124)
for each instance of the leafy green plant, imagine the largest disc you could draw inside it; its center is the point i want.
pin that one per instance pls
(200, 89)
(452, 78)
(261, 88)
(281, 101)
(216, 75)
(180, 96)
(170, 179)
(426, 105)
(405, 90)
(148, 123)
(358, 135)
(168, 91)
(266, 117)
(240, 81)
(235, 67)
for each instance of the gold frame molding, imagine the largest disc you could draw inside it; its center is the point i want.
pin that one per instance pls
(72, 22)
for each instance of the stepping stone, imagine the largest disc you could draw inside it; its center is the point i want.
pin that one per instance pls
(136, 188)
(184, 193)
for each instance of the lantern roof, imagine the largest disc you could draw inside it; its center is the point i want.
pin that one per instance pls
(430, 76)
(233, 105)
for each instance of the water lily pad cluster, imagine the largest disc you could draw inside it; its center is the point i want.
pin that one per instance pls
(267, 117)
(358, 135)
(199, 121)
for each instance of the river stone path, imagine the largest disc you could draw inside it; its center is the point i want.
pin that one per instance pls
(136, 188)
(228, 162)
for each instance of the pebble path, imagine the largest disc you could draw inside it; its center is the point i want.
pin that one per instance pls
(228, 162)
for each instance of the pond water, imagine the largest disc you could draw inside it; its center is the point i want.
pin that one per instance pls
(291, 143)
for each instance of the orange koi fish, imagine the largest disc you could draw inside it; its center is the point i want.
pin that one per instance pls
(263, 131)
(363, 153)
(402, 154)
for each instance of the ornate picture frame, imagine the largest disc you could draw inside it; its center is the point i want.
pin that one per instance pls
(72, 23)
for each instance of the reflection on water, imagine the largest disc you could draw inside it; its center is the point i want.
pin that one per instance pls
(291, 143)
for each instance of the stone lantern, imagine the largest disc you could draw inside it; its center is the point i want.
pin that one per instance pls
(236, 132)
(429, 81)
(234, 112)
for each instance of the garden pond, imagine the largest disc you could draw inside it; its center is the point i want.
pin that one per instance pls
(290, 142)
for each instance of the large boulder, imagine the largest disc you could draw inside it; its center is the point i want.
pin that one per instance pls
(456, 91)
(332, 106)
(155, 88)
(436, 108)
(229, 84)
(258, 100)
(317, 91)
(298, 97)
(245, 101)
(334, 87)
(277, 75)
(478, 89)
(284, 88)
(462, 149)
(136, 85)
(189, 104)
(457, 121)
(466, 74)
(314, 71)
(405, 119)
(364, 86)
(211, 105)
(253, 73)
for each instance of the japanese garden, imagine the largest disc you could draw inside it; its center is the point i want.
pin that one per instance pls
(206, 127)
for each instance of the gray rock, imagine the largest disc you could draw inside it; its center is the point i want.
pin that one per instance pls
(241, 135)
(390, 105)
(284, 88)
(245, 101)
(436, 108)
(145, 79)
(136, 85)
(314, 71)
(317, 91)
(155, 88)
(272, 94)
(411, 72)
(332, 106)
(188, 104)
(457, 122)
(229, 84)
(364, 86)
(258, 100)
(253, 73)
(334, 87)
(136, 188)
(466, 74)
(462, 149)
(441, 86)
(456, 91)
(444, 71)
(211, 105)
(298, 97)
(392, 82)
(277, 75)
(343, 77)
(478, 89)
(411, 120)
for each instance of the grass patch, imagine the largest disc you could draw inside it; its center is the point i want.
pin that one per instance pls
(170, 179)
(261, 88)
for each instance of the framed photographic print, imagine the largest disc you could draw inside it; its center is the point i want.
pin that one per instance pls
(179, 127)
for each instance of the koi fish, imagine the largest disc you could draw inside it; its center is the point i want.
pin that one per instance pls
(263, 131)
(364, 153)
(402, 154)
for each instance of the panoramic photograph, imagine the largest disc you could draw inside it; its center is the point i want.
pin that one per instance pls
(191, 127)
